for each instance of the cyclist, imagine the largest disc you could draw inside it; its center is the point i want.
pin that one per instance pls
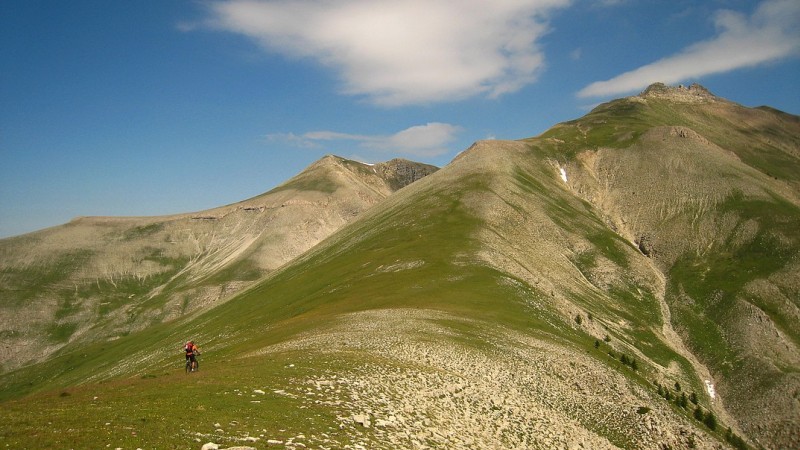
(191, 351)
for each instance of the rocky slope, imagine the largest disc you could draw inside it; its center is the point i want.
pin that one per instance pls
(709, 191)
(103, 277)
(520, 391)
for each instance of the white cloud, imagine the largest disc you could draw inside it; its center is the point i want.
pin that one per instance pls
(426, 140)
(403, 52)
(770, 34)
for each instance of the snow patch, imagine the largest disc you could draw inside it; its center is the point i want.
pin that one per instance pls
(710, 388)
(563, 173)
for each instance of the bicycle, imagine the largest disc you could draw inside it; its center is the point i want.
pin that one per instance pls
(189, 368)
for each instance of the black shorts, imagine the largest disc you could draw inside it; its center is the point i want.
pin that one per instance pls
(190, 357)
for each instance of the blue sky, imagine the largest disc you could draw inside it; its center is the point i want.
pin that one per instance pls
(156, 107)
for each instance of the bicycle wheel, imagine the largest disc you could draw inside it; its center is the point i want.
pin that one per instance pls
(188, 365)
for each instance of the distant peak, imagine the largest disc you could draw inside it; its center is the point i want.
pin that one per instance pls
(694, 93)
(401, 172)
(397, 173)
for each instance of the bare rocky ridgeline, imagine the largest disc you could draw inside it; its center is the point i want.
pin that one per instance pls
(694, 93)
(399, 173)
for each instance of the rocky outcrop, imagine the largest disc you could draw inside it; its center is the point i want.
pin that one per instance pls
(399, 173)
(694, 93)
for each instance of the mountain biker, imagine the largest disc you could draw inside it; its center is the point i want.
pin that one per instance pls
(191, 351)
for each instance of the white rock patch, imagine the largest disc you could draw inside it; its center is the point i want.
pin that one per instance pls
(710, 388)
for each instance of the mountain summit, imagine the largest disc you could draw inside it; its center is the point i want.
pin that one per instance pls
(694, 93)
(629, 279)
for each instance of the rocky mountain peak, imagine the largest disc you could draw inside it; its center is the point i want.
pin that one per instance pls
(694, 93)
(400, 172)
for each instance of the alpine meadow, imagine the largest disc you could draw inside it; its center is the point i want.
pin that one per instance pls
(629, 279)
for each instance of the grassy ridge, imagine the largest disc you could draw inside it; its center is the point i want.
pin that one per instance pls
(412, 257)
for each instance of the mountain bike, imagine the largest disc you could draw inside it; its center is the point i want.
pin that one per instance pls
(196, 364)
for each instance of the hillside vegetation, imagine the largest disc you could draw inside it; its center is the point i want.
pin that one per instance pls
(625, 280)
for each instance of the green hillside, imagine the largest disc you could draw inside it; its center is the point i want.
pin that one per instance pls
(99, 278)
(493, 304)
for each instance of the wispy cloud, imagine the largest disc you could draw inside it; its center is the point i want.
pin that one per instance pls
(770, 34)
(426, 140)
(403, 52)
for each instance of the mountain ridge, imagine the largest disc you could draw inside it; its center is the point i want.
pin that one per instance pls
(624, 280)
(131, 272)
